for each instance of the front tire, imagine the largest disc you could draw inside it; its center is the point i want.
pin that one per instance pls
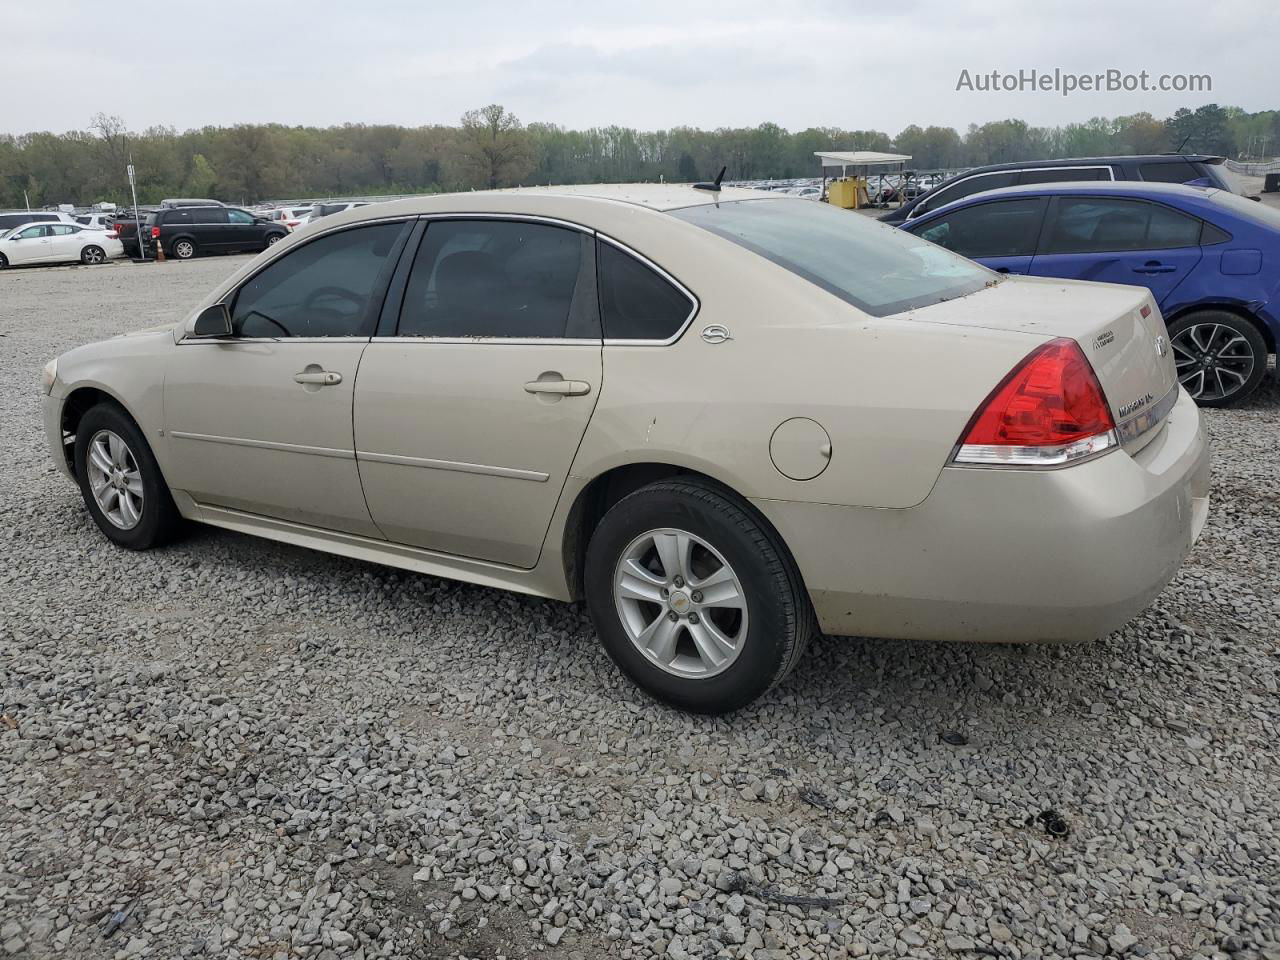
(694, 598)
(121, 482)
(4, 261)
(92, 255)
(184, 249)
(1220, 357)
(273, 239)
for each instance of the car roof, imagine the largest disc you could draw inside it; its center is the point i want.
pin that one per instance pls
(1168, 192)
(654, 196)
(1065, 161)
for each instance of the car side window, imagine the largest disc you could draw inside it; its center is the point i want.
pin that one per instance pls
(636, 302)
(1005, 228)
(1063, 174)
(209, 215)
(32, 233)
(238, 216)
(325, 288)
(180, 217)
(1101, 224)
(972, 185)
(501, 278)
(63, 229)
(1171, 171)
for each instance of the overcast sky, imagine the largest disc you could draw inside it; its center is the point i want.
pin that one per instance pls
(651, 64)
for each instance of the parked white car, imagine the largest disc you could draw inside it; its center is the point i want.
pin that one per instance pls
(56, 243)
(96, 221)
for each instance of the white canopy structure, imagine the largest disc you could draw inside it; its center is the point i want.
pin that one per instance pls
(860, 160)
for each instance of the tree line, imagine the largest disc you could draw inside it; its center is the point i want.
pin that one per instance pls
(490, 147)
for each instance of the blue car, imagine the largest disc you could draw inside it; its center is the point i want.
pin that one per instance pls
(1210, 258)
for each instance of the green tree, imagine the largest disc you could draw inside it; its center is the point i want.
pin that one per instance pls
(493, 149)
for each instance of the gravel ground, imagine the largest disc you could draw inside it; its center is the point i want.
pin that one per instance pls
(234, 748)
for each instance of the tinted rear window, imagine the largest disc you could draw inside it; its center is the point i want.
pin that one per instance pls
(878, 269)
(1173, 171)
(1063, 174)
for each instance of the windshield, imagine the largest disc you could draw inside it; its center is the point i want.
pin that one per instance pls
(878, 269)
(1262, 213)
(1235, 183)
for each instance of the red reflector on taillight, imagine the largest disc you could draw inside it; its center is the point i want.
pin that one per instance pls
(155, 233)
(1145, 311)
(1048, 411)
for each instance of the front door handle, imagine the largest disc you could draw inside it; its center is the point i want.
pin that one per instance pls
(324, 378)
(563, 388)
(1154, 266)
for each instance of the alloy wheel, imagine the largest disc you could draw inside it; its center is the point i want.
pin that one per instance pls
(184, 249)
(680, 603)
(1213, 361)
(114, 479)
(94, 255)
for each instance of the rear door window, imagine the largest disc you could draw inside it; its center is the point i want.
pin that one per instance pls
(637, 302)
(1063, 174)
(238, 216)
(972, 185)
(1101, 224)
(1003, 228)
(501, 278)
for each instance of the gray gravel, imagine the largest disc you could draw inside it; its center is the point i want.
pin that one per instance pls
(233, 748)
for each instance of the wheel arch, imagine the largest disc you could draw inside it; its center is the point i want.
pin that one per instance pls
(1235, 309)
(79, 401)
(607, 488)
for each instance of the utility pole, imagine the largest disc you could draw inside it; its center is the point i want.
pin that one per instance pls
(137, 217)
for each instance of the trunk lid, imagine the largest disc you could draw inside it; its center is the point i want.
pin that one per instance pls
(1119, 328)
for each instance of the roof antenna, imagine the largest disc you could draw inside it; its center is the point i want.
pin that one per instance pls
(1183, 143)
(714, 186)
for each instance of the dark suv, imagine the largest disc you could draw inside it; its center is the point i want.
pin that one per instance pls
(186, 232)
(1194, 169)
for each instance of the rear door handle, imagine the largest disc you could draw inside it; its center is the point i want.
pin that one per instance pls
(325, 378)
(1155, 266)
(563, 388)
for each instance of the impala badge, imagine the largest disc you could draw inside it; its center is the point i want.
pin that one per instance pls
(716, 333)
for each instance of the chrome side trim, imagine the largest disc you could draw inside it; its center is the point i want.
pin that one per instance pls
(484, 469)
(266, 445)
(1149, 418)
(281, 340)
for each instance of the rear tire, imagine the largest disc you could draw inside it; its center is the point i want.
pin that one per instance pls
(4, 261)
(91, 255)
(1220, 356)
(710, 650)
(184, 249)
(132, 505)
(273, 239)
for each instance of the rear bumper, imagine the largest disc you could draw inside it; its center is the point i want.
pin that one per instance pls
(1004, 555)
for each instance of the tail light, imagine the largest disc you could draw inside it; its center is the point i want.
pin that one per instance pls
(1049, 411)
(155, 233)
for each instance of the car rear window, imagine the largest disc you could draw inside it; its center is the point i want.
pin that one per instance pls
(1170, 171)
(878, 269)
(1261, 213)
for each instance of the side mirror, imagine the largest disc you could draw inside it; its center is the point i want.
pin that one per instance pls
(214, 321)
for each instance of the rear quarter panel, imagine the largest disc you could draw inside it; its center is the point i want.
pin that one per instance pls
(893, 394)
